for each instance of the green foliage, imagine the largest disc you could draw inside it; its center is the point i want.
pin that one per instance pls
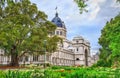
(109, 41)
(24, 29)
(82, 5)
(103, 63)
(37, 74)
(118, 1)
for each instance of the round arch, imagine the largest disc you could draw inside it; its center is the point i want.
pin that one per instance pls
(86, 57)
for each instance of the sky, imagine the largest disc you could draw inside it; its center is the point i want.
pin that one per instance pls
(88, 24)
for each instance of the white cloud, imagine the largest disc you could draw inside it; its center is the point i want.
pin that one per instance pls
(94, 13)
(94, 8)
(87, 24)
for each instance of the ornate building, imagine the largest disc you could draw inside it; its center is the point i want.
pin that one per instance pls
(75, 52)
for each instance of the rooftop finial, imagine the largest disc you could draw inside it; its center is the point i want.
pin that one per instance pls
(56, 12)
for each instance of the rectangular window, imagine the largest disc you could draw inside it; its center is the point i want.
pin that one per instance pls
(35, 58)
(26, 58)
(21, 59)
(51, 33)
(60, 32)
(57, 32)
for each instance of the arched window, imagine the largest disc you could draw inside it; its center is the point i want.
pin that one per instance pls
(77, 49)
(77, 59)
(86, 57)
(77, 41)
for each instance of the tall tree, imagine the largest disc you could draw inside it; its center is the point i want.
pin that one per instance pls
(110, 40)
(24, 29)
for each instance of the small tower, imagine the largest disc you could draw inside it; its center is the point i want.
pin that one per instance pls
(81, 49)
(61, 29)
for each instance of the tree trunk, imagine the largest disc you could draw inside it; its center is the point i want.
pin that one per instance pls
(14, 57)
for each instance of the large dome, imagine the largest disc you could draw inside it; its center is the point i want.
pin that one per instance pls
(57, 21)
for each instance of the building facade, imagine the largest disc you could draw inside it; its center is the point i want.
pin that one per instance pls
(70, 53)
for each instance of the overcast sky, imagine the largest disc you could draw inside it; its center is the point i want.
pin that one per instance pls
(88, 24)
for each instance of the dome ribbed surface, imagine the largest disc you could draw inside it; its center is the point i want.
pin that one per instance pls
(57, 21)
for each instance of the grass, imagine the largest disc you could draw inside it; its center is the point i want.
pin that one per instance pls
(62, 72)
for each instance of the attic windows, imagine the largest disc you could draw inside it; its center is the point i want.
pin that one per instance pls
(58, 21)
(53, 21)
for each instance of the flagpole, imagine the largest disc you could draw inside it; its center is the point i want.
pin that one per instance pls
(56, 9)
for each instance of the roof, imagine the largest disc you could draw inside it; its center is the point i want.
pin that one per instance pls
(57, 21)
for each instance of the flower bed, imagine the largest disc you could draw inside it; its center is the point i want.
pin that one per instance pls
(62, 72)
